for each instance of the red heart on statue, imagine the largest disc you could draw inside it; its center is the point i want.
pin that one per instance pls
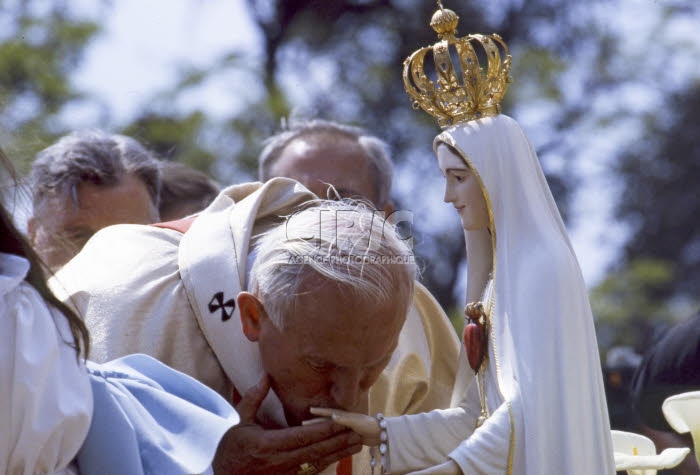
(473, 337)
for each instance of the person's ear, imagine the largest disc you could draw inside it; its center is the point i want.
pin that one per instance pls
(252, 312)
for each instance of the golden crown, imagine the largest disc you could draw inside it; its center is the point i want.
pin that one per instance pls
(481, 89)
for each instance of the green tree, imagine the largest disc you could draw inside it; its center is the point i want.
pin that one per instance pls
(173, 138)
(627, 314)
(663, 206)
(40, 44)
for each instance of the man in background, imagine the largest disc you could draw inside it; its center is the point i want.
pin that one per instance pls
(320, 153)
(85, 182)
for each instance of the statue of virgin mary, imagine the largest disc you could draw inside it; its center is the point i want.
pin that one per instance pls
(529, 396)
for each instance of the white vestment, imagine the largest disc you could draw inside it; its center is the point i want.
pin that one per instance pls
(45, 398)
(544, 388)
(172, 296)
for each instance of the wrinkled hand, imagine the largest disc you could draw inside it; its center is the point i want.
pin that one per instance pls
(366, 426)
(248, 448)
(446, 468)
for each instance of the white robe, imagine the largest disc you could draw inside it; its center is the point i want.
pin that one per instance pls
(45, 397)
(544, 387)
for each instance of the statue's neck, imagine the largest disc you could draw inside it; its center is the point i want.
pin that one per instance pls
(479, 263)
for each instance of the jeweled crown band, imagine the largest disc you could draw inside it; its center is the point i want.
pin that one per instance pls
(449, 98)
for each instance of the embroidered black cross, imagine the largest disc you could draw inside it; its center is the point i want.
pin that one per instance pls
(227, 307)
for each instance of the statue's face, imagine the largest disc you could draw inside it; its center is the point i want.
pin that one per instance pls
(463, 190)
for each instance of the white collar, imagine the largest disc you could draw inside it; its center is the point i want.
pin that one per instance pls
(13, 270)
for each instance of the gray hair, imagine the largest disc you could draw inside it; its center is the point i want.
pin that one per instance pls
(95, 157)
(376, 149)
(356, 249)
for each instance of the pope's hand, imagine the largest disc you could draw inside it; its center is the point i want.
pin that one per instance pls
(446, 468)
(250, 449)
(366, 426)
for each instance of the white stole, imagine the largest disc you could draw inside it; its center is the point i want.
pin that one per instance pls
(213, 275)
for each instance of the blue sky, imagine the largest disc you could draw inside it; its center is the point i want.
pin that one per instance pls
(143, 44)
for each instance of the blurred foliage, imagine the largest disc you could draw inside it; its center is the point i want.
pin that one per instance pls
(662, 203)
(627, 314)
(173, 138)
(40, 44)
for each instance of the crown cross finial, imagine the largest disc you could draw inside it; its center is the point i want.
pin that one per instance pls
(450, 98)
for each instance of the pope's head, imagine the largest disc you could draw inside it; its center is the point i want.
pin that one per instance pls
(329, 293)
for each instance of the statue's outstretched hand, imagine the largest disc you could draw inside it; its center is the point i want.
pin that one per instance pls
(366, 426)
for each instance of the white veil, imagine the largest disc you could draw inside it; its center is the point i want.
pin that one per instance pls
(543, 356)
